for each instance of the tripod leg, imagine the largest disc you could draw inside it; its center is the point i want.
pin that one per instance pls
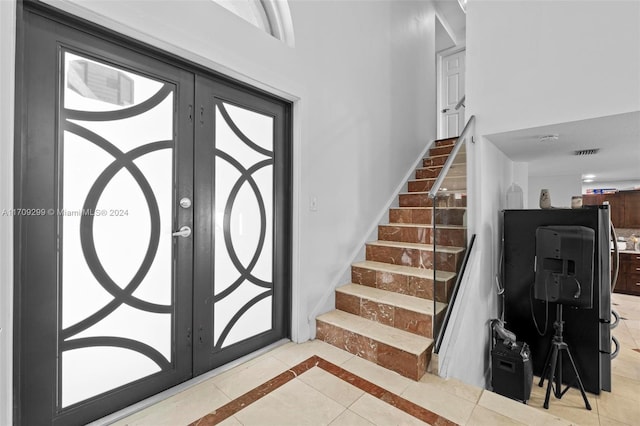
(546, 366)
(558, 388)
(575, 370)
(552, 372)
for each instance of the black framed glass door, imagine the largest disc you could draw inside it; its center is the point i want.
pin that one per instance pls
(103, 312)
(139, 265)
(242, 185)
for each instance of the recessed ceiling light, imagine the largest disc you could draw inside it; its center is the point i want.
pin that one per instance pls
(587, 180)
(548, 138)
(589, 176)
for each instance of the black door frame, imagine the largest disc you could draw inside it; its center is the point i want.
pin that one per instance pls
(37, 376)
(208, 92)
(45, 195)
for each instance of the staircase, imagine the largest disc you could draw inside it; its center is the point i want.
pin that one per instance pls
(386, 314)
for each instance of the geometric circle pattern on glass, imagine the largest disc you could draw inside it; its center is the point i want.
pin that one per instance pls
(243, 150)
(105, 104)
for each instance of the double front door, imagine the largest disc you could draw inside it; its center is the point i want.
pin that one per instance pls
(152, 240)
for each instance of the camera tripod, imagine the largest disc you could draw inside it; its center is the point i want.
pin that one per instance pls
(553, 364)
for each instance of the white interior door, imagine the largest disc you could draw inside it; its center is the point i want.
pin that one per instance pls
(451, 92)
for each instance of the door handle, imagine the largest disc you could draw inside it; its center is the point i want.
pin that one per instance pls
(184, 232)
(446, 110)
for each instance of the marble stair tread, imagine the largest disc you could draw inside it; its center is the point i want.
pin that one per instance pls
(428, 167)
(455, 163)
(400, 339)
(425, 208)
(418, 246)
(452, 139)
(443, 144)
(436, 156)
(404, 301)
(422, 225)
(404, 270)
(462, 192)
(453, 191)
(458, 155)
(433, 179)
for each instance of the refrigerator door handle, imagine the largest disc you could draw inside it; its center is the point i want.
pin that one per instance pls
(616, 258)
(617, 351)
(615, 323)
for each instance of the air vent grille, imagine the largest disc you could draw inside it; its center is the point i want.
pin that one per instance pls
(584, 152)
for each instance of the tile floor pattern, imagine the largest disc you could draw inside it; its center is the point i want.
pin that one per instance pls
(317, 395)
(238, 404)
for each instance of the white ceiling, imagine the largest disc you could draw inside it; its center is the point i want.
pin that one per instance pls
(455, 19)
(617, 137)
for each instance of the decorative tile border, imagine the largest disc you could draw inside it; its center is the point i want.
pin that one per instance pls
(372, 389)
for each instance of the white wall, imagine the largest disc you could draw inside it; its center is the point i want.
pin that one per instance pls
(478, 302)
(532, 63)
(545, 62)
(7, 74)
(561, 189)
(362, 76)
(521, 178)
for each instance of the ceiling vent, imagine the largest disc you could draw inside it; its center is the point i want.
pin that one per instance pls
(584, 152)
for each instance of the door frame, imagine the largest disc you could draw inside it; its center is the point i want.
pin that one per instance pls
(439, 82)
(8, 14)
(74, 20)
(207, 90)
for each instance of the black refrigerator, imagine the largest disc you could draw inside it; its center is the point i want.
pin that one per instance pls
(586, 331)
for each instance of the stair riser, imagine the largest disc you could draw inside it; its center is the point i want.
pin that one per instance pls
(403, 284)
(412, 257)
(441, 150)
(423, 216)
(452, 182)
(420, 185)
(423, 200)
(393, 316)
(407, 364)
(450, 216)
(415, 200)
(423, 235)
(434, 161)
(429, 173)
(456, 170)
(445, 142)
(417, 216)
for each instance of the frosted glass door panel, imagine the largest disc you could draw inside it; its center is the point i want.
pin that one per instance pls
(97, 86)
(116, 217)
(243, 232)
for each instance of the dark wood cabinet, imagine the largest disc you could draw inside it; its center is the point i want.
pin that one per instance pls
(624, 207)
(592, 199)
(629, 276)
(631, 209)
(617, 208)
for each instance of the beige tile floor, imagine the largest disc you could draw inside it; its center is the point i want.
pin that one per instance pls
(319, 398)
